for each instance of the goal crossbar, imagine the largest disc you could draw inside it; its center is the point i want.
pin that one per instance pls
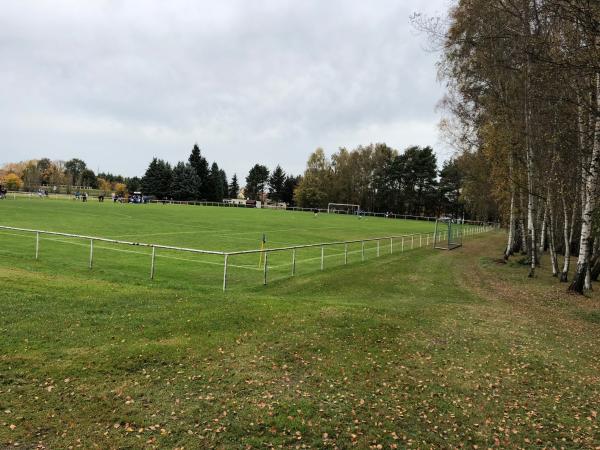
(333, 207)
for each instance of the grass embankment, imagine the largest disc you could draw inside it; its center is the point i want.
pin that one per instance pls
(424, 349)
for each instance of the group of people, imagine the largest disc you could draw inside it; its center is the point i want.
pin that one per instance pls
(81, 196)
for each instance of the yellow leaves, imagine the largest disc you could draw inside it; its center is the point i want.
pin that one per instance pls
(12, 426)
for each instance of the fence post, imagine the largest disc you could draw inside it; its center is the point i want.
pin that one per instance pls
(293, 262)
(225, 272)
(402, 247)
(322, 256)
(412, 241)
(420, 240)
(391, 245)
(362, 250)
(265, 269)
(37, 245)
(345, 253)
(152, 265)
(378, 248)
(91, 253)
(427, 243)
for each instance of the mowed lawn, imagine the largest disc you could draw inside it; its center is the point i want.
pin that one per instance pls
(208, 228)
(418, 349)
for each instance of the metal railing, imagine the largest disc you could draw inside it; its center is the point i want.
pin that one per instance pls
(404, 242)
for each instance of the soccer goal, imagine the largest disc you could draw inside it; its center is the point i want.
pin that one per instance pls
(448, 233)
(342, 208)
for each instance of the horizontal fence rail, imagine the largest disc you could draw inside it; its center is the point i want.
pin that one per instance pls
(399, 243)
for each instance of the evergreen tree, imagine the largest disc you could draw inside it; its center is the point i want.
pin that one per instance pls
(255, 182)
(419, 173)
(88, 179)
(234, 187)
(289, 186)
(215, 184)
(224, 185)
(449, 188)
(133, 184)
(157, 179)
(200, 165)
(185, 182)
(276, 183)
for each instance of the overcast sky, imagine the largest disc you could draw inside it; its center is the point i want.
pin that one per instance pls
(118, 82)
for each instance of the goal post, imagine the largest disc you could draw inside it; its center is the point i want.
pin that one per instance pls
(448, 233)
(342, 208)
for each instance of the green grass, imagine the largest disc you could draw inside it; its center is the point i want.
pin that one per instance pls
(208, 228)
(421, 349)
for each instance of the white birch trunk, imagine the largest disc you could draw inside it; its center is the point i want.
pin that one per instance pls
(591, 175)
(510, 245)
(551, 228)
(567, 228)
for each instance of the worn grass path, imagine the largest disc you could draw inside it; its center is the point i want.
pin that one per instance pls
(426, 349)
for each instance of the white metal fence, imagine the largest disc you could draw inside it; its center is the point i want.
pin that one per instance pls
(287, 257)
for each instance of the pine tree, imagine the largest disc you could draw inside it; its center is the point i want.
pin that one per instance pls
(256, 181)
(234, 187)
(215, 184)
(224, 185)
(200, 165)
(276, 182)
(289, 186)
(157, 179)
(185, 182)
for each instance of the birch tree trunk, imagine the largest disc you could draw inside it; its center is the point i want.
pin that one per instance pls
(551, 241)
(543, 230)
(510, 245)
(523, 229)
(582, 271)
(567, 226)
(530, 180)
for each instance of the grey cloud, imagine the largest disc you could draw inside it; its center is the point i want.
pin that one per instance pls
(118, 82)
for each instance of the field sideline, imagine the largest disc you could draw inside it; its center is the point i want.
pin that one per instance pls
(199, 227)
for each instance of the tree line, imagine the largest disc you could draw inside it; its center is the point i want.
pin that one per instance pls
(379, 178)
(194, 179)
(197, 180)
(74, 173)
(523, 99)
(375, 176)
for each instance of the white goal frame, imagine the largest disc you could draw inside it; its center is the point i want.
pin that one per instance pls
(353, 208)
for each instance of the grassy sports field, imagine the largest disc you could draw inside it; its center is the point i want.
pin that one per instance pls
(412, 350)
(208, 228)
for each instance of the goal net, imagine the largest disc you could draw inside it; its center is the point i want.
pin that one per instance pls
(448, 233)
(342, 208)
